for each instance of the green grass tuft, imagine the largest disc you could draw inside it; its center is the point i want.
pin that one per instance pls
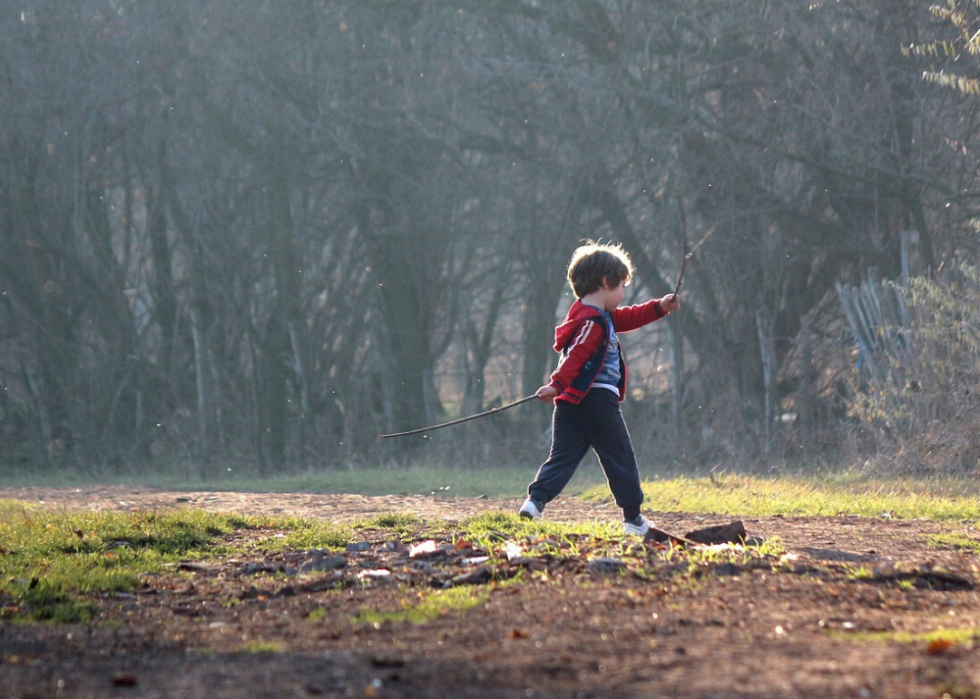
(956, 542)
(830, 495)
(426, 606)
(938, 636)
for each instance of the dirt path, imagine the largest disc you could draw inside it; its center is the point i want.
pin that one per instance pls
(844, 612)
(334, 508)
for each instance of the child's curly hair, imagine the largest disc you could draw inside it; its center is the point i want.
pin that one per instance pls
(594, 264)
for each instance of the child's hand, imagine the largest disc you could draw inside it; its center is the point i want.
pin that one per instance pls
(546, 394)
(670, 303)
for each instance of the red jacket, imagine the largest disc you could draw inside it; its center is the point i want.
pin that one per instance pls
(582, 340)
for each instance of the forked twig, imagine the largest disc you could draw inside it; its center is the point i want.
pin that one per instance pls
(688, 253)
(683, 219)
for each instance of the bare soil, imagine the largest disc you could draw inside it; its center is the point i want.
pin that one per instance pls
(843, 613)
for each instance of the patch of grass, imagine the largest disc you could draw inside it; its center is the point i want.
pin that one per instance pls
(52, 562)
(427, 605)
(512, 525)
(828, 495)
(496, 523)
(394, 520)
(698, 562)
(49, 560)
(401, 522)
(738, 554)
(264, 647)
(936, 638)
(420, 478)
(955, 542)
(417, 479)
(491, 531)
(773, 546)
(40, 604)
(426, 478)
(308, 533)
(860, 573)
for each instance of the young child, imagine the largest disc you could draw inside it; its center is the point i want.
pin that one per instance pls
(590, 382)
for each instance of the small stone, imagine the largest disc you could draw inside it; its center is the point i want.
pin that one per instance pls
(605, 566)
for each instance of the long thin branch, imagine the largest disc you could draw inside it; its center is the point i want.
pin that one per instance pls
(687, 254)
(460, 420)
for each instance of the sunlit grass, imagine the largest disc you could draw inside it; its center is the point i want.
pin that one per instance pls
(422, 606)
(264, 647)
(938, 639)
(506, 523)
(437, 481)
(955, 541)
(736, 495)
(399, 521)
(51, 563)
(827, 494)
(504, 480)
(307, 533)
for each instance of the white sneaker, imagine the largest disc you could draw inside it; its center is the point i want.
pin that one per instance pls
(531, 509)
(638, 526)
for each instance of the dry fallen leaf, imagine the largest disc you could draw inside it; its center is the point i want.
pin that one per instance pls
(123, 681)
(939, 646)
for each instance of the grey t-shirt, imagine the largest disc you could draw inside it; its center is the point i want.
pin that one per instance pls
(609, 374)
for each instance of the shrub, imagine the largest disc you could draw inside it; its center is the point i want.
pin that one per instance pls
(922, 401)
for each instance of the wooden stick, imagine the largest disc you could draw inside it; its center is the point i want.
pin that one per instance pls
(683, 218)
(460, 420)
(688, 252)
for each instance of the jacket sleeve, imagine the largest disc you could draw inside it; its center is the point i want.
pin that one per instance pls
(632, 317)
(582, 346)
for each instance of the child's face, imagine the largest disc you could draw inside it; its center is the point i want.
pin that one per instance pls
(612, 294)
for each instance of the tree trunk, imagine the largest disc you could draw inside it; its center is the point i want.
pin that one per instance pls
(764, 327)
(205, 398)
(676, 377)
(285, 312)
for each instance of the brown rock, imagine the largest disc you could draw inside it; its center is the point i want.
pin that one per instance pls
(731, 533)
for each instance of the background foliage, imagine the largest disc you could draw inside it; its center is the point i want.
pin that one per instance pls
(258, 234)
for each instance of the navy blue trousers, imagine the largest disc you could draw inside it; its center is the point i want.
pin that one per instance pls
(597, 423)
